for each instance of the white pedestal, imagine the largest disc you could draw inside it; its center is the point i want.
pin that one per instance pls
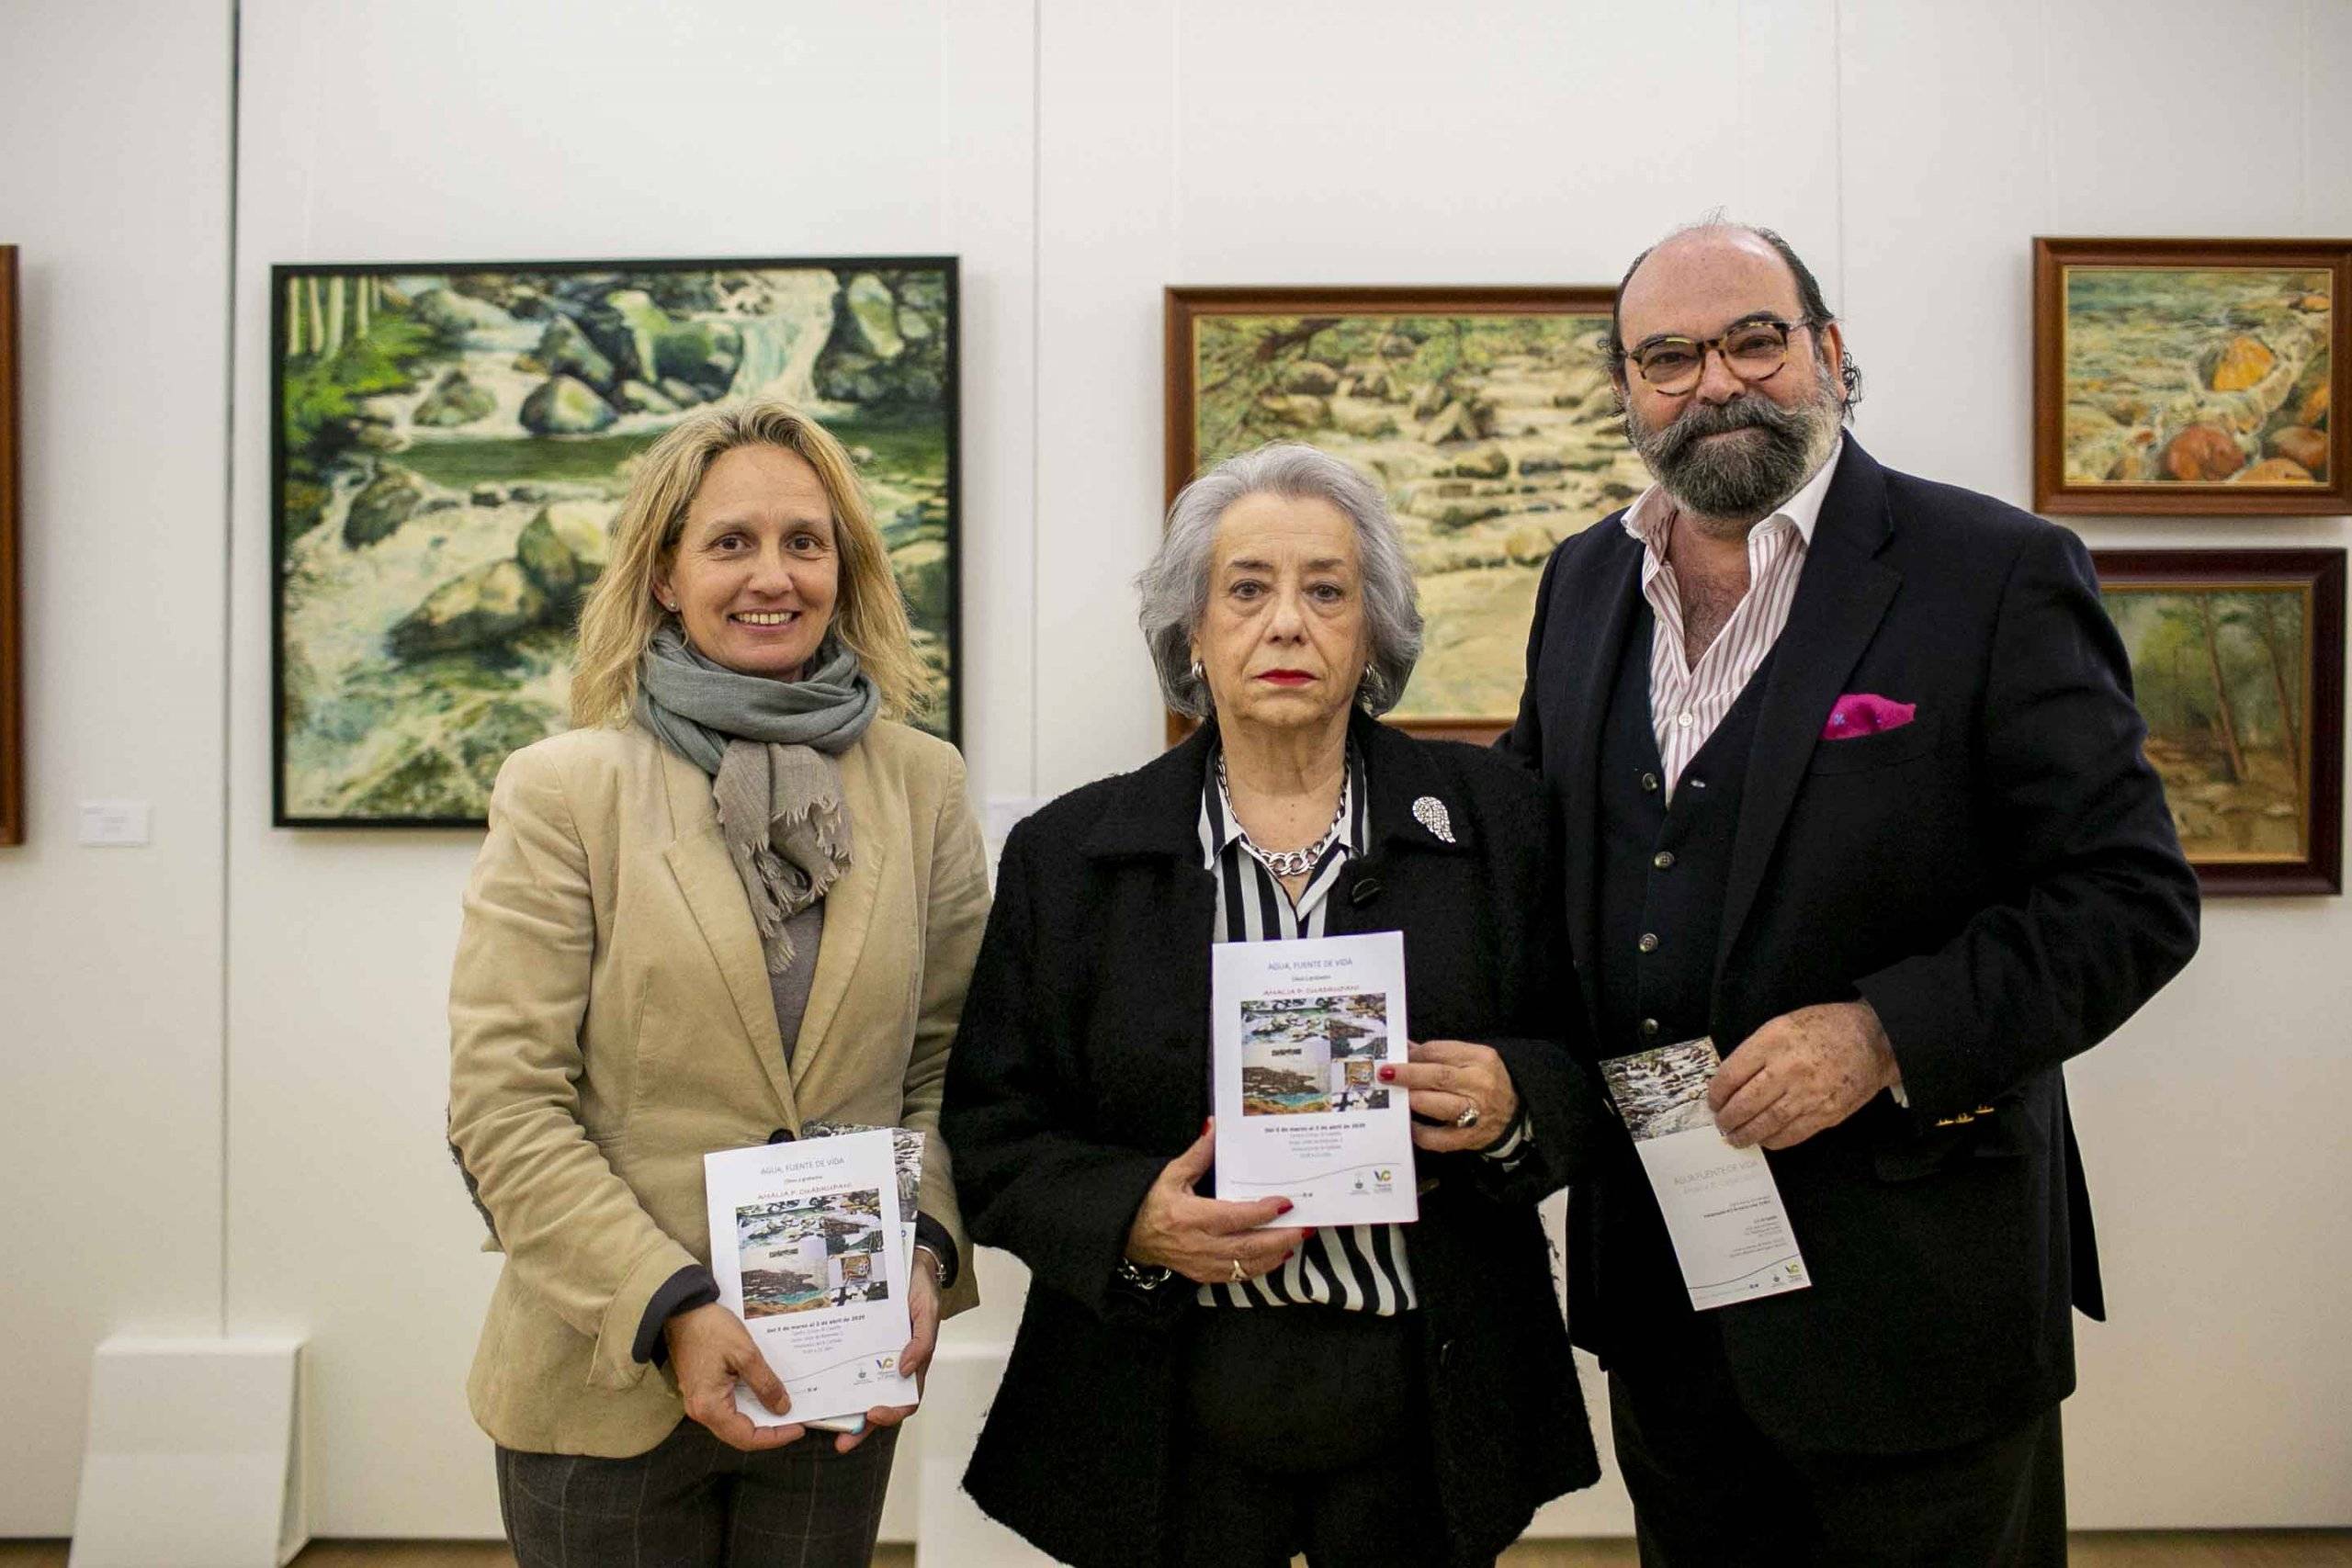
(191, 1460)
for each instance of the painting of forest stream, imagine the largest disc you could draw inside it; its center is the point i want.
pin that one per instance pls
(451, 446)
(2221, 672)
(2237, 664)
(1492, 427)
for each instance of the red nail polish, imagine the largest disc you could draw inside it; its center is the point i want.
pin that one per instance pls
(1291, 1254)
(1387, 1075)
(1286, 1208)
(1205, 1126)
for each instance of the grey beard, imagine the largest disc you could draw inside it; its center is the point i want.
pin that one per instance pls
(1746, 481)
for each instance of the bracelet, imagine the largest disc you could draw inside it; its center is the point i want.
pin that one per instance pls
(938, 1266)
(1146, 1276)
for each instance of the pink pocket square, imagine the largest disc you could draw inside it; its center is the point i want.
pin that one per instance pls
(1865, 713)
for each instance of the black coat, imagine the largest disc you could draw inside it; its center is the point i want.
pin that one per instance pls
(1998, 877)
(1083, 1068)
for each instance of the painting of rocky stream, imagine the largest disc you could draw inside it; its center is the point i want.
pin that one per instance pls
(451, 446)
(2196, 376)
(1492, 429)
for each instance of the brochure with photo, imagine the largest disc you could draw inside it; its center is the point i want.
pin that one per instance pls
(808, 1249)
(906, 1152)
(1300, 1033)
(1722, 1209)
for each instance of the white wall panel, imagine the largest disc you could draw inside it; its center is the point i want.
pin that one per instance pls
(529, 131)
(110, 1039)
(1106, 229)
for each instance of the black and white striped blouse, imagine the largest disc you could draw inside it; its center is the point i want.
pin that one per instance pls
(1355, 1268)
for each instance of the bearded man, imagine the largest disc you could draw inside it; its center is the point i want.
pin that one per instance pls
(1852, 786)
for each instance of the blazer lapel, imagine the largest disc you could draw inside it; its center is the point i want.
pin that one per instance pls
(848, 910)
(1840, 599)
(1600, 615)
(697, 858)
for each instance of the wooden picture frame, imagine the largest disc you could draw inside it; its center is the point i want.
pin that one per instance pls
(2191, 376)
(1502, 437)
(2260, 809)
(451, 440)
(12, 618)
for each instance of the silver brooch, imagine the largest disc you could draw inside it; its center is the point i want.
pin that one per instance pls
(1429, 812)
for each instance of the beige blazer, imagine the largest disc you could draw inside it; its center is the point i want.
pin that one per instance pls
(610, 1022)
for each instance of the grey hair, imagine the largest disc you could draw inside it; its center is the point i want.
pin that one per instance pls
(1175, 586)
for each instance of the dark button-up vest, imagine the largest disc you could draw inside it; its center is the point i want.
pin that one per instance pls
(1663, 868)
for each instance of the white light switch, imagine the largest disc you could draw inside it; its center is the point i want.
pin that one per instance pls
(113, 822)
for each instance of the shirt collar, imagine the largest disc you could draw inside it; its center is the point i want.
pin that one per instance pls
(1221, 830)
(1645, 520)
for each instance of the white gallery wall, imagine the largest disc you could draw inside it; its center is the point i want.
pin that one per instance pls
(222, 1056)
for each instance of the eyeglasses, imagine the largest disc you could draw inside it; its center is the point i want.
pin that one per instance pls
(1751, 350)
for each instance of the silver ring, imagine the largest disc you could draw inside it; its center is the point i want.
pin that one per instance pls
(1240, 1275)
(1469, 1119)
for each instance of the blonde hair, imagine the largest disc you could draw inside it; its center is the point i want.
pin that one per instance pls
(617, 622)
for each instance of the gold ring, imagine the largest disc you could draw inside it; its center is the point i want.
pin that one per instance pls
(1240, 1275)
(1469, 1117)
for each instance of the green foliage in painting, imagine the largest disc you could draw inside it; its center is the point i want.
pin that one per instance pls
(2220, 676)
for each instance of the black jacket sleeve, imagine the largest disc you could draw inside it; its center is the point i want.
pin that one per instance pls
(1029, 1182)
(2094, 906)
(1567, 1113)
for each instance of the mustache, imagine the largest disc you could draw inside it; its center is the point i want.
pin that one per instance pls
(1671, 441)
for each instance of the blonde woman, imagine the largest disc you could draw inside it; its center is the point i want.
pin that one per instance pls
(739, 898)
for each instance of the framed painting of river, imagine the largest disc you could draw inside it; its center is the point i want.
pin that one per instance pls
(450, 443)
(1486, 415)
(2191, 376)
(2237, 662)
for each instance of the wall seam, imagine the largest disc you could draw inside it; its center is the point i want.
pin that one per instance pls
(2050, 223)
(229, 622)
(1036, 388)
(1837, 118)
(2304, 149)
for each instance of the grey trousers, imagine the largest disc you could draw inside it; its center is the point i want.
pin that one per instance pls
(692, 1502)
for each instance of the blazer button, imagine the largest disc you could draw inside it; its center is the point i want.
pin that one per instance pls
(1649, 1029)
(1663, 859)
(1648, 943)
(1649, 782)
(781, 1135)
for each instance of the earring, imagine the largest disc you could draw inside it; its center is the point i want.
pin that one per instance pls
(1198, 673)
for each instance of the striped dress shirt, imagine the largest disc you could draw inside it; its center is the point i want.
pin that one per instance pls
(1354, 1268)
(1687, 701)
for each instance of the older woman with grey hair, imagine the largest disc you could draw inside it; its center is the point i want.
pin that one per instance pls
(1195, 1382)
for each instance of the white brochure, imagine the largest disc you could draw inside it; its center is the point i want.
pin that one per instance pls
(1723, 1210)
(807, 1246)
(1301, 1030)
(906, 1149)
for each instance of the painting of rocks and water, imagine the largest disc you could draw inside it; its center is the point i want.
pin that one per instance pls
(2193, 386)
(1489, 422)
(2240, 696)
(451, 447)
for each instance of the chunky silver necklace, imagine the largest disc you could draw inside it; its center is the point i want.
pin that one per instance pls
(1282, 862)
